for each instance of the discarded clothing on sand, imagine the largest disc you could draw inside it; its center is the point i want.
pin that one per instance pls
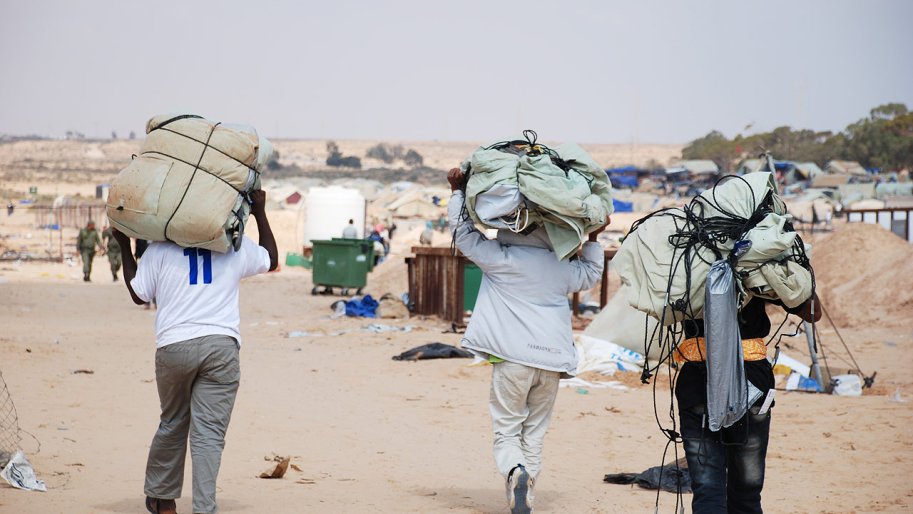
(20, 474)
(433, 351)
(668, 478)
(364, 307)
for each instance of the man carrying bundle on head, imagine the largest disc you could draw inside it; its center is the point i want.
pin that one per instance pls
(197, 367)
(190, 191)
(522, 325)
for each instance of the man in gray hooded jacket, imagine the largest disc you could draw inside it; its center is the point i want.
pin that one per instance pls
(522, 324)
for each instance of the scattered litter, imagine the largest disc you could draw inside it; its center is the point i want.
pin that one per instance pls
(897, 398)
(433, 351)
(581, 390)
(797, 374)
(374, 328)
(306, 481)
(295, 467)
(83, 372)
(339, 309)
(364, 307)
(302, 333)
(19, 473)
(455, 329)
(580, 383)
(602, 357)
(798, 382)
(378, 328)
(392, 307)
(605, 357)
(668, 478)
(279, 470)
(847, 385)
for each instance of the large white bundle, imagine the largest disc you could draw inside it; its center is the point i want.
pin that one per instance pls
(189, 184)
(668, 283)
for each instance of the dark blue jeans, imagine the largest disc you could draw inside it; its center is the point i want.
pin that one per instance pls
(726, 467)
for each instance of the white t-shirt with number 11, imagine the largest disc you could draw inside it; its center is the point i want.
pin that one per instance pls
(196, 290)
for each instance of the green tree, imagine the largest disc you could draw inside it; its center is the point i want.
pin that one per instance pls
(714, 146)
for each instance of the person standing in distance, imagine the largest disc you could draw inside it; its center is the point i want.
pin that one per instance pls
(350, 232)
(112, 251)
(197, 368)
(86, 242)
(522, 325)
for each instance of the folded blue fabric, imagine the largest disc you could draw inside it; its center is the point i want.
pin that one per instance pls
(364, 307)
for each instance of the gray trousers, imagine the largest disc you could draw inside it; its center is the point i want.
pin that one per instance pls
(521, 405)
(197, 383)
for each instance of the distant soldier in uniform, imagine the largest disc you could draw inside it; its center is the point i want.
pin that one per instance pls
(86, 242)
(113, 249)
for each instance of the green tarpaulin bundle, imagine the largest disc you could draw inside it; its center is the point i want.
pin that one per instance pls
(517, 185)
(666, 257)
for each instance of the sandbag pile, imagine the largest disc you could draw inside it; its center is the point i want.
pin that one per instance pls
(667, 256)
(190, 182)
(519, 184)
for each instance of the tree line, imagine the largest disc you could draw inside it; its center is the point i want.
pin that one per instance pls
(883, 139)
(388, 154)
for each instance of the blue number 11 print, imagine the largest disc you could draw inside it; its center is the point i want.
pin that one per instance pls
(192, 254)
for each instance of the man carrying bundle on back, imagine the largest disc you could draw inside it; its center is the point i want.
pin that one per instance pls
(707, 271)
(197, 358)
(522, 325)
(727, 466)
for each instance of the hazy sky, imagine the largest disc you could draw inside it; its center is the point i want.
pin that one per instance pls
(600, 71)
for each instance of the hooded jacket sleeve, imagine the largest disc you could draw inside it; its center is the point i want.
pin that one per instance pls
(586, 270)
(485, 253)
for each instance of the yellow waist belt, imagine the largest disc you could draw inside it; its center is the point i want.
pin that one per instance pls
(694, 349)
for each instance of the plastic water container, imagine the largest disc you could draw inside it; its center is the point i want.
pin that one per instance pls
(847, 385)
(328, 211)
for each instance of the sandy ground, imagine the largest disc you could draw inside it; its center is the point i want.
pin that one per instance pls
(374, 435)
(370, 434)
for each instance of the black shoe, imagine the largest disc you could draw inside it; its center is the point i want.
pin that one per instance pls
(115, 276)
(85, 277)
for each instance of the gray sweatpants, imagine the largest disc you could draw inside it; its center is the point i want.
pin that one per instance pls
(521, 405)
(197, 383)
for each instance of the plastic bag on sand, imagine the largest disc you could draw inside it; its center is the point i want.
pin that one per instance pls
(19, 473)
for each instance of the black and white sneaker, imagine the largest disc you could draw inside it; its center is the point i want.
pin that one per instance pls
(519, 491)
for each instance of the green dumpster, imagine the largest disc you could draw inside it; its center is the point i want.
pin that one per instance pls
(472, 280)
(361, 241)
(341, 263)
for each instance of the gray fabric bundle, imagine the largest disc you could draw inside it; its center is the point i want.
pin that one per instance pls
(727, 393)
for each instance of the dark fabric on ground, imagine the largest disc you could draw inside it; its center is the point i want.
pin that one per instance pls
(433, 351)
(666, 478)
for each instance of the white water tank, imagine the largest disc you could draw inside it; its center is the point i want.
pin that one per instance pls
(327, 211)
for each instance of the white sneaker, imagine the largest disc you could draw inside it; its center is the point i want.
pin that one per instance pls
(519, 491)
